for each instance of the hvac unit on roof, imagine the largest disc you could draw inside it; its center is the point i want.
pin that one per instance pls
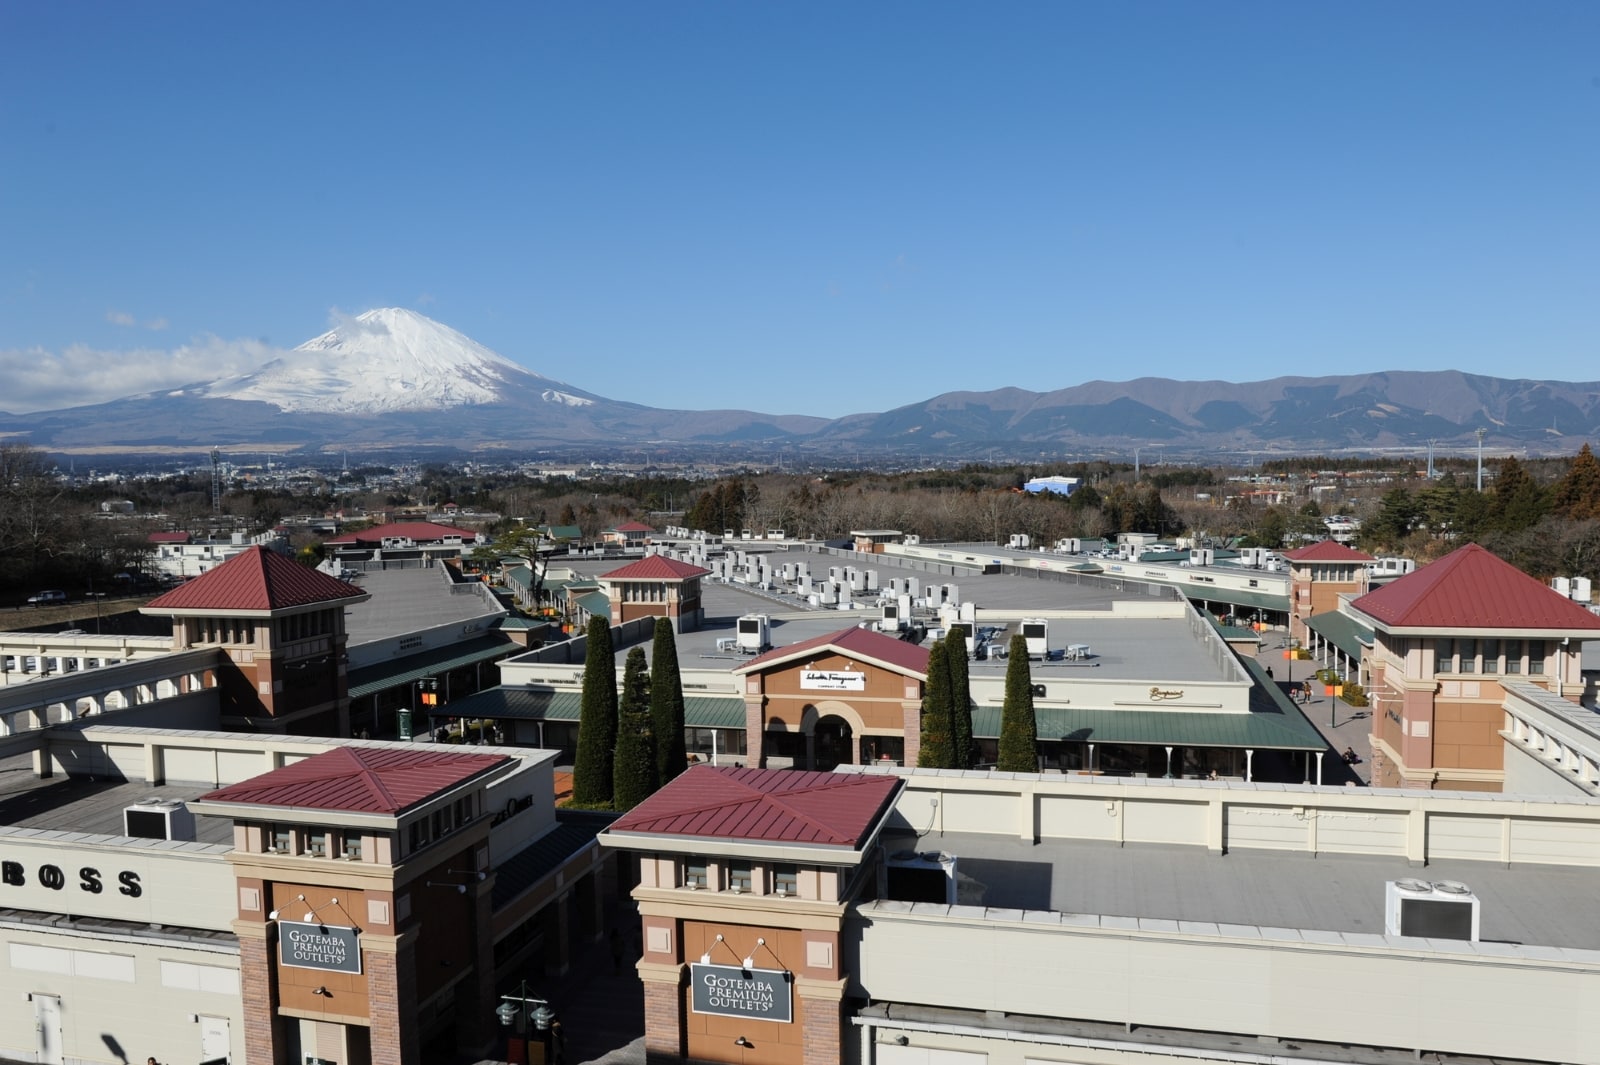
(926, 876)
(1443, 909)
(754, 633)
(1036, 631)
(158, 819)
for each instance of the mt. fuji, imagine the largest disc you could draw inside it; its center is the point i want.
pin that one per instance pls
(388, 361)
(387, 379)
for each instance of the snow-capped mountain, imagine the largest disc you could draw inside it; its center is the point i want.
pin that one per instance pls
(388, 361)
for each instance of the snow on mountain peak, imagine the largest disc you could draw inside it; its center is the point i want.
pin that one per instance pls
(383, 361)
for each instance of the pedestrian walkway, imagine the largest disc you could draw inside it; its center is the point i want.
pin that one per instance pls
(1341, 724)
(600, 1003)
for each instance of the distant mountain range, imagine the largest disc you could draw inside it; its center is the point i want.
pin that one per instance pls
(394, 379)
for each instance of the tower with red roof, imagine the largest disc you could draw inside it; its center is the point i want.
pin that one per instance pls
(656, 586)
(1318, 576)
(1447, 639)
(280, 629)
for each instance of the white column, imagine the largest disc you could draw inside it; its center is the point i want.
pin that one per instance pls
(1319, 767)
(1249, 756)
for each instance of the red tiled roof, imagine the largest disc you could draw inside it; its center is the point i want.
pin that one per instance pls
(422, 532)
(256, 579)
(369, 780)
(853, 643)
(1471, 588)
(167, 538)
(1326, 551)
(633, 526)
(655, 568)
(766, 805)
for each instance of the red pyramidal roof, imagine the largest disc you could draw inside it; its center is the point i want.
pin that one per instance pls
(1326, 551)
(372, 780)
(655, 568)
(1471, 588)
(766, 805)
(854, 643)
(256, 579)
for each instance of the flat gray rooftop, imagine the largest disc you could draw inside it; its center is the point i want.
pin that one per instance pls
(1534, 905)
(405, 600)
(1158, 650)
(81, 804)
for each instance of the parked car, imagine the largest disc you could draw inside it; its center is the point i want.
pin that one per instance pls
(47, 598)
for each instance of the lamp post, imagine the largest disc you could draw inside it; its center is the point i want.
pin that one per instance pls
(533, 1013)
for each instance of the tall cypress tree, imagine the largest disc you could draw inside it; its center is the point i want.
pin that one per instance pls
(935, 752)
(597, 719)
(1019, 732)
(635, 776)
(963, 752)
(666, 703)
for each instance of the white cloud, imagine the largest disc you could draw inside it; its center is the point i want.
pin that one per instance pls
(156, 324)
(37, 379)
(121, 318)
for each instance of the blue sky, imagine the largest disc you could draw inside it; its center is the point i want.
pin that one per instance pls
(716, 204)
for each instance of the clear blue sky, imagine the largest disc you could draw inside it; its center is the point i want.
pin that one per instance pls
(806, 207)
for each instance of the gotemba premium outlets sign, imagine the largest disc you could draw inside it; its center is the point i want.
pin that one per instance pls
(319, 946)
(727, 991)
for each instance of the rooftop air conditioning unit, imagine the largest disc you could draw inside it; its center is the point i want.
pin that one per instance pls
(1444, 909)
(159, 819)
(754, 633)
(925, 876)
(1036, 631)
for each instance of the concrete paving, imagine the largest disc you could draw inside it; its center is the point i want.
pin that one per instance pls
(1341, 724)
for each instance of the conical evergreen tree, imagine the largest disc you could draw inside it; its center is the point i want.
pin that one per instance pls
(635, 775)
(963, 752)
(1019, 731)
(666, 703)
(597, 719)
(935, 751)
(1577, 495)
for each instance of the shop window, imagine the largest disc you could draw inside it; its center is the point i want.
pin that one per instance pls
(785, 880)
(694, 873)
(741, 877)
(351, 844)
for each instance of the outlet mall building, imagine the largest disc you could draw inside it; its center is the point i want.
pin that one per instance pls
(217, 897)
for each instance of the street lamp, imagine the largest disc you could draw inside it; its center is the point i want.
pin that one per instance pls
(534, 1012)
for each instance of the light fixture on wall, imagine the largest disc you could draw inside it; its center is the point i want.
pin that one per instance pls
(321, 991)
(705, 959)
(743, 1042)
(460, 889)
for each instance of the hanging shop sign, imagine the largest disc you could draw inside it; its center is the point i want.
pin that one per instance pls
(319, 946)
(728, 991)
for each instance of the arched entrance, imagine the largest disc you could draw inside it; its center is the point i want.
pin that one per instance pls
(832, 740)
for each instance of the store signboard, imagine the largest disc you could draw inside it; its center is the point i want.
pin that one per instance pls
(728, 991)
(833, 680)
(319, 946)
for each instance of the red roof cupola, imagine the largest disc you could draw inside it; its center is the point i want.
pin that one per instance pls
(1471, 588)
(256, 581)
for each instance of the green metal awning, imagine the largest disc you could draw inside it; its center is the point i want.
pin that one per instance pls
(369, 680)
(1343, 631)
(1240, 598)
(1273, 723)
(505, 704)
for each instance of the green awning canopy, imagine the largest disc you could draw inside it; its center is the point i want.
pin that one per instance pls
(1343, 631)
(1273, 723)
(1238, 597)
(369, 680)
(595, 604)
